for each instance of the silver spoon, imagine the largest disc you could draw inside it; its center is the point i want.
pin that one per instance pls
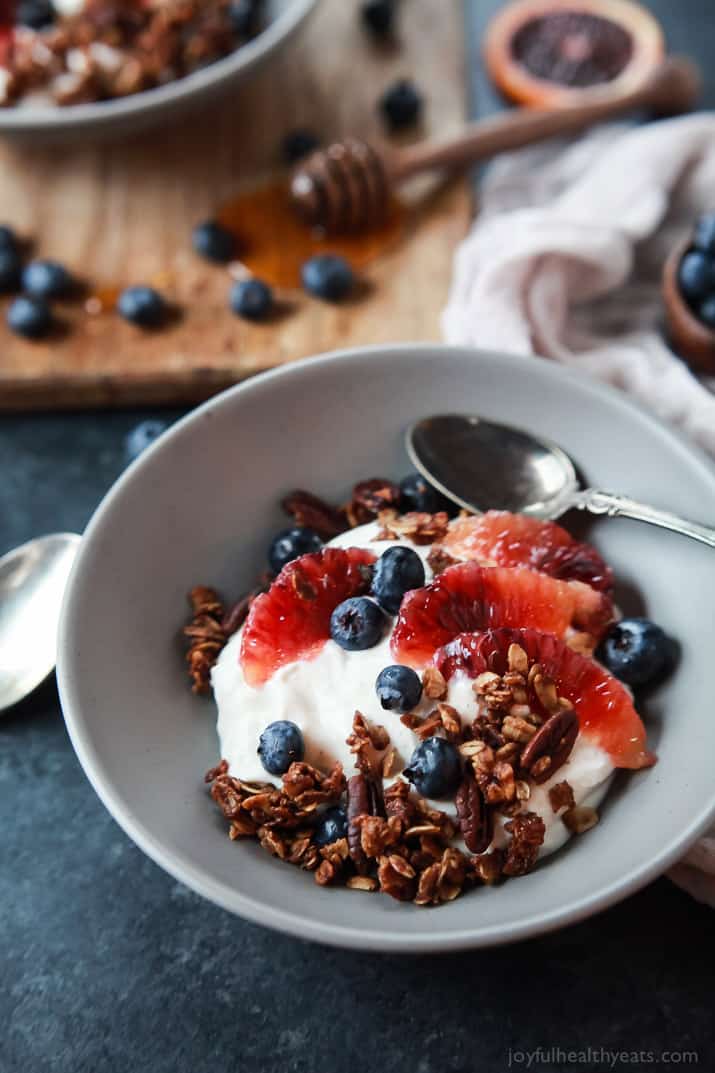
(482, 465)
(32, 583)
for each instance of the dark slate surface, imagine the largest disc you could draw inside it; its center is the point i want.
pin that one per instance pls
(107, 964)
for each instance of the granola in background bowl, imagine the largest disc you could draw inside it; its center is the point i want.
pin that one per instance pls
(79, 51)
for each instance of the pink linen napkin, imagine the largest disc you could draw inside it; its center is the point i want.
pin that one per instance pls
(564, 260)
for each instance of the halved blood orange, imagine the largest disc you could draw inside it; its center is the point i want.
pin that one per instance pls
(472, 597)
(603, 705)
(549, 53)
(292, 620)
(499, 538)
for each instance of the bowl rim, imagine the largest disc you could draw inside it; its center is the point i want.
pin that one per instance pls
(53, 118)
(181, 868)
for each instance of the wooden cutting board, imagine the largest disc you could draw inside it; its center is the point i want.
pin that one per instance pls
(122, 213)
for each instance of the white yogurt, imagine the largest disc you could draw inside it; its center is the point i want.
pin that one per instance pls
(321, 696)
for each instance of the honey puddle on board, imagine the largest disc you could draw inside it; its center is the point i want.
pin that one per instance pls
(273, 242)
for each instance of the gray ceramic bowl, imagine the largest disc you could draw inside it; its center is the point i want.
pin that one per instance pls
(140, 110)
(199, 506)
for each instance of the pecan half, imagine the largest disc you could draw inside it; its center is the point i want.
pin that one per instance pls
(551, 746)
(360, 803)
(315, 513)
(475, 819)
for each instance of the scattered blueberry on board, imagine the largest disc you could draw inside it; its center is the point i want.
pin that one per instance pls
(298, 144)
(328, 276)
(419, 495)
(251, 299)
(46, 279)
(35, 13)
(378, 17)
(397, 571)
(30, 317)
(142, 436)
(279, 745)
(638, 652)
(434, 768)
(696, 272)
(401, 105)
(357, 624)
(290, 544)
(332, 825)
(142, 306)
(10, 270)
(398, 688)
(212, 241)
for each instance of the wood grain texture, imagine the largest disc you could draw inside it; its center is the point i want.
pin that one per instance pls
(122, 213)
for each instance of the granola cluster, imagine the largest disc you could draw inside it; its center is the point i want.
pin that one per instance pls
(113, 48)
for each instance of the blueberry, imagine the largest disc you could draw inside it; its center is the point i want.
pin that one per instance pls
(8, 239)
(401, 105)
(30, 317)
(695, 277)
(142, 436)
(245, 17)
(35, 13)
(356, 624)
(251, 298)
(298, 144)
(398, 688)
(434, 768)
(213, 241)
(332, 825)
(291, 543)
(279, 745)
(398, 570)
(46, 279)
(704, 238)
(706, 312)
(10, 271)
(378, 16)
(143, 306)
(328, 276)
(637, 651)
(418, 494)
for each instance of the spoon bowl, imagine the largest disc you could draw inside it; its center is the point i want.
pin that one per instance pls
(32, 583)
(482, 465)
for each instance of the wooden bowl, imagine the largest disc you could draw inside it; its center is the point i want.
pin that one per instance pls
(693, 340)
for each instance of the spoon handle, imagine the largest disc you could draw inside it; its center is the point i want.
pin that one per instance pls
(596, 502)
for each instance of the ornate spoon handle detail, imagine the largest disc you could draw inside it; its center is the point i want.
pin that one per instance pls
(596, 502)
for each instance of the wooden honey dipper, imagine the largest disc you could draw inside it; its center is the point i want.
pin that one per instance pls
(347, 186)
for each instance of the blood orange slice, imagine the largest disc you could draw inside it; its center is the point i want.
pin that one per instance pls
(603, 705)
(502, 539)
(472, 597)
(292, 620)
